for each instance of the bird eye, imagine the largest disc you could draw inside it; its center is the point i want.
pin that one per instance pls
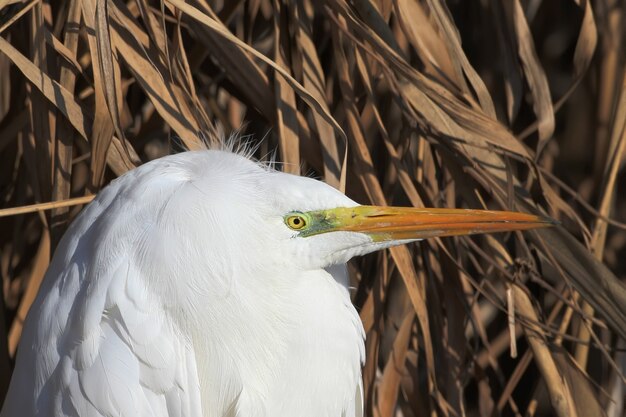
(296, 221)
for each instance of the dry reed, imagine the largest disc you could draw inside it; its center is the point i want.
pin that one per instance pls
(508, 105)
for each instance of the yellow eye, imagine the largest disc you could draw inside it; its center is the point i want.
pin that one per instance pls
(296, 221)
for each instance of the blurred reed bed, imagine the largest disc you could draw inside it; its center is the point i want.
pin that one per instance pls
(507, 105)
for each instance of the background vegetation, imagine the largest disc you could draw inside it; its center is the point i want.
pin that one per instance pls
(482, 103)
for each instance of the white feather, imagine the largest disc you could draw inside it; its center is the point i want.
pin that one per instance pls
(180, 292)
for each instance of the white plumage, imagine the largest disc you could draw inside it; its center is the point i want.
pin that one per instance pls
(206, 285)
(179, 292)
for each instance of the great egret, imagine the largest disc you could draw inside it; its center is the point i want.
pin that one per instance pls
(204, 284)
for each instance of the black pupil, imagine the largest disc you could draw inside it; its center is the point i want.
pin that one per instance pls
(296, 221)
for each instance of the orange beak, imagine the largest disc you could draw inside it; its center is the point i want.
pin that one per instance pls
(401, 223)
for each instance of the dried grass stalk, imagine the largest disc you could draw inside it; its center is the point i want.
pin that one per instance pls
(406, 102)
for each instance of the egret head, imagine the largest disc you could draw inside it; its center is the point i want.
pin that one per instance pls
(232, 211)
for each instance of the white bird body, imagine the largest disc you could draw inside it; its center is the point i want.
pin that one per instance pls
(157, 303)
(205, 285)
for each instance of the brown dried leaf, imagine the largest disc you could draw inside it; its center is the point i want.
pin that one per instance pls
(62, 99)
(65, 134)
(453, 43)
(586, 400)
(314, 82)
(428, 44)
(389, 384)
(210, 23)
(561, 395)
(587, 40)
(252, 81)
(533, 72)
(167, 97)
(103, 127)
(286, 112)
